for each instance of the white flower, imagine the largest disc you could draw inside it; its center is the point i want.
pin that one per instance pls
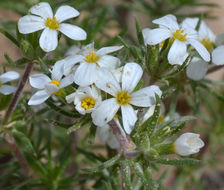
(218, 55)
(182, 36)
(7, 77)
(42, 18)
(85, 99)
(187, 144)
(48, 87)
(106, 135)
(123, 96)
(197, 69)
(91, 60)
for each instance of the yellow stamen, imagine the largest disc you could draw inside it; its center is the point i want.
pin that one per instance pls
(52, 23)
(207, 43)
(180, 35)
(88, 103)
(92, 57)
(56, 82)
(123, 98)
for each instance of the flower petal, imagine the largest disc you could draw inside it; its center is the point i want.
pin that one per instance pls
(58, 70)
(197, 69)
(51, 88)
(205, 32)
(72, 31)
(66, 81)
(129, 117)
(190, 23)
(42, 9)
(158, 35)
(168, 21)
(218, 55)
(108, 61)
(110, 49)
(107, 82)
(86, 74)
(6, 89)
(105, 112)
(48, 40)
(9, 76)
(70, 61)
(146, 34)
(38, 98)
(178, 53)
(131, 75)
(73, 50)
(39, 80)
(200, 49)
(70, 98)
(145, 97)
(29, 23)
(66, 12)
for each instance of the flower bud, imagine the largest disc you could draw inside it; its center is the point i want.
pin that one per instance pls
(187, 144)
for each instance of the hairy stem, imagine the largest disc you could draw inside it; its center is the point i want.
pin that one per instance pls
(215, 68)
(18, 92)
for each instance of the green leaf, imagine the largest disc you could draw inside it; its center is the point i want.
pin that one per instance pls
(178, 162)
(104, 165)
(10, 37)
(10, 61)
(123, 42)
(44, 67)
(126, 174)
(139, 33)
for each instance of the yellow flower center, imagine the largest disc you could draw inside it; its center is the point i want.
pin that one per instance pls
(161, 119)
(92, 57)
(88, 103)
(123, 98)
(207, 43)
(56, 82)
(0, 84)
(180, 35)
(52, 23)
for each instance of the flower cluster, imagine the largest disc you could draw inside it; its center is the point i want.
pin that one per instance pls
(102, 86)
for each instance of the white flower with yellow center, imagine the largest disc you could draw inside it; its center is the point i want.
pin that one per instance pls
(182, 36)
(187, 144)
(91, 60)
(5, 78)
(106, 135)
(123, 96)
(85, 99)
(49, 87)
(42, 18)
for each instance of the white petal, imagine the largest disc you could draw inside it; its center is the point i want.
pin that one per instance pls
(131, 75)
(51, 88)
(219, 39)
(190, 23)
(200, 49)
(144, 97)
(168, 21)
(6, 89)
(48, 40)
(39, 80)
(58, 70)
(70, 61)
(108, 61)
(72, 31)
(205, 32)
(29, 23)
(66, 12)
(196, 70)
(86, 74)
(177, 53)
(70, 98)
(146, 35)
(110, 49)
(107, 82)
(38, 98)
(9, 76)
(118, 73)
(148, 113)
(73, 50)
(103, 133)
(218, 55)
(42, 9)
(158, 35)
(66, 81)
(129, 117)
(105, 112)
